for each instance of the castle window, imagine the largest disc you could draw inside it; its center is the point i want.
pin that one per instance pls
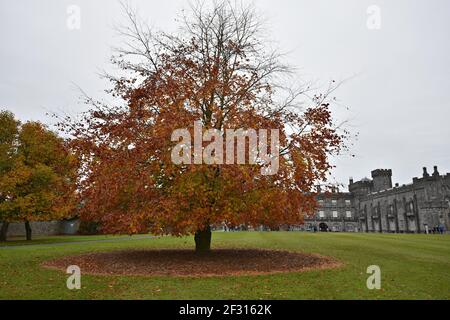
(334, 202)
(348, 203)
(320, 202)
(321, 214)
(348, 214)
(335, 214)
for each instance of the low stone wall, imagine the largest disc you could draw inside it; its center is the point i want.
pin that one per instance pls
(45, 228)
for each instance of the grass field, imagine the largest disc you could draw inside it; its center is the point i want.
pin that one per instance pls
(412, 267)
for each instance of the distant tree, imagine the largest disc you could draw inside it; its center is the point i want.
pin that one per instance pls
(217, 70)
(38, 179)
(9, 128)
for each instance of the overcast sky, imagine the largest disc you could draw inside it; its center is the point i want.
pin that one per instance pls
(398, 92)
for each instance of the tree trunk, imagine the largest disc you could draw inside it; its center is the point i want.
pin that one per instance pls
(4, 231)
(203, 240)
(28, 230)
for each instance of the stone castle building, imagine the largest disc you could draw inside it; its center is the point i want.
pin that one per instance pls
(375, 205)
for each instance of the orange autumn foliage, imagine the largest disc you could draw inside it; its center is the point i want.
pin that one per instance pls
(37, 173)
(217, 71)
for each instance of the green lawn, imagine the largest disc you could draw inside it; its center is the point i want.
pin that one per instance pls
(412, 266)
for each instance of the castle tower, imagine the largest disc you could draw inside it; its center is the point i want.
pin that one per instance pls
(382, 179)
(360, 188)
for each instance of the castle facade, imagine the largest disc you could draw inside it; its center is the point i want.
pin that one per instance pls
(375, 205)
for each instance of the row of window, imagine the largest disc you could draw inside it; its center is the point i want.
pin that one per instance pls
(390, 209)
(335, 214)
(334, 202)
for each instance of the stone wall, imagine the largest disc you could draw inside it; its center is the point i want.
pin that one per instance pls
(45, 228)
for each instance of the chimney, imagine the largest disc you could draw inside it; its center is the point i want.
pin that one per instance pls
(351, 180)
(425, 173)
(436, 172)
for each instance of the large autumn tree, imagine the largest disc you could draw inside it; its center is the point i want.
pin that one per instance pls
(216, 70)
(38, 174)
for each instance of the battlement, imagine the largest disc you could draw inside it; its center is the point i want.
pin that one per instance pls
(427, 177)
(382, 179)
(361, 187)
(382, 173)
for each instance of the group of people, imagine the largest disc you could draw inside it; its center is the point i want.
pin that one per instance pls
(440, 229)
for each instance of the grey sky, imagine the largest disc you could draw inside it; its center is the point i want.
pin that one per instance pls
(398, 94)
